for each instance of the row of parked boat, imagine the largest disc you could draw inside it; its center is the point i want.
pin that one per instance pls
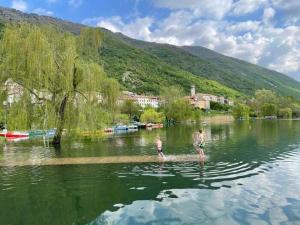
(133, 127)
(23, 135)
(26, 134)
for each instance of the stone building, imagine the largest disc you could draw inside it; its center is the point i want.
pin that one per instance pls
(203, 100)
(142, 100)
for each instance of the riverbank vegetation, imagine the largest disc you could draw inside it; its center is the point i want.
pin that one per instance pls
(59, 78)
(63, 85)
(267, 104)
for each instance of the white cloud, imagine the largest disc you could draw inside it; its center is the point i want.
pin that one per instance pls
(75, 3)
(247, 6)
(114, 24)
(283, 51)
(245, 26)
(19, 5)
(139, 28)
(264, 41)
(215, 9)
(292, 6)
(290, 9)
(268, 14)
(42, 11)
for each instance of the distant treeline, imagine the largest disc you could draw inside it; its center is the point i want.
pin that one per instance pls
(267, 104)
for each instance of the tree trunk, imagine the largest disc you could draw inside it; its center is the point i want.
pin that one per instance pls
(61, 114)
(61, 121)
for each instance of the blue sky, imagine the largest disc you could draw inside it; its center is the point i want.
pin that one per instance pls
(265, 32)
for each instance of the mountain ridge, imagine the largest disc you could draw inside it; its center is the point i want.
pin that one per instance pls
(219, 67)
(174, 63)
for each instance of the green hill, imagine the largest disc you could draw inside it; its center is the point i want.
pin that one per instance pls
(234, 73)
(146, 67)
(142, 72)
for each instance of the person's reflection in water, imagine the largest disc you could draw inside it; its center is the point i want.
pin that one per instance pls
(160, 171)
(201, 165)
(198, 143)
(57, 149)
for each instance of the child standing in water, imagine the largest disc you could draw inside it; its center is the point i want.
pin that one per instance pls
(159, 147)
(199, 142)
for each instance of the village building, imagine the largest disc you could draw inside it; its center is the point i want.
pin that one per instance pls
(200, 101)
(203, 100)
(14, 91)
(141, 100)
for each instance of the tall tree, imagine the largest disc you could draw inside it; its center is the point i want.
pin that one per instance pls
(52, 68)
(131, 108)
(241, 111)
(171, 94)
(179, 110)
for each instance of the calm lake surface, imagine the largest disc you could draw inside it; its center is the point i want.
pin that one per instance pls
(251, 176)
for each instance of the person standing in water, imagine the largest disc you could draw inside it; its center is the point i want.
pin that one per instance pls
(199, 142)
(159, 147)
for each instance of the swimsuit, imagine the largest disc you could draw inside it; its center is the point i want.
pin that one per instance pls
(159, 151)
(201, 145)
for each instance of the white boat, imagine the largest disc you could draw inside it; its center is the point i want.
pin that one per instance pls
(120, 127)
(133, 127)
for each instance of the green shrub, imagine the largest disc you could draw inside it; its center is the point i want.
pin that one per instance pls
(241, 110)
(218, 106)
(269, 109)
(285, 113)
(151, 116)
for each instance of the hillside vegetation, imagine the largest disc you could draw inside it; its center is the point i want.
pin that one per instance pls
(146, 67)
(234, 73)
(142, 72)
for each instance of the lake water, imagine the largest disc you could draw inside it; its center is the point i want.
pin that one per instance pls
(251, 176)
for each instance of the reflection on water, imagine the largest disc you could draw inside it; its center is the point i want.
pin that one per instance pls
(250, 176)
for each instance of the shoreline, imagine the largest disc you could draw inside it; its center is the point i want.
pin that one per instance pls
(219, 119)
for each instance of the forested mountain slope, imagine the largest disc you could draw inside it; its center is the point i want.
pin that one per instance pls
(147, 67)
(234, 73)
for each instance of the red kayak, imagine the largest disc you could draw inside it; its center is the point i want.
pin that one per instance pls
(14, 134)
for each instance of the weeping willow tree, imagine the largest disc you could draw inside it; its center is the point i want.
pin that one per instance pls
(58, 73)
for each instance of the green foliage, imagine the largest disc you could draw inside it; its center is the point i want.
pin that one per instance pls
(88, 44)
(268, 103)
(111, 92)
(121, 119)
(89, 116)
(52, 68)
(3, 97)
(265, 96)
(206, 63)
(196, 114)
(285, 102)
(151, 116)
(241, 110)
(285, 113)
(218, 106)
(152, 65)
(262, 100)
(269, 109)
(172, 93)
(179, 110)
(131, 108)
(296, 109)
(141, 72)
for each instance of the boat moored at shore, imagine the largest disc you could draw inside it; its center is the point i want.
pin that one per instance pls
(14, 134)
